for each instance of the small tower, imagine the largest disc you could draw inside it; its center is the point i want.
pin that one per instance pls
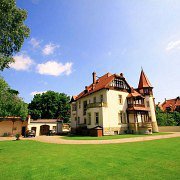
(145, 88)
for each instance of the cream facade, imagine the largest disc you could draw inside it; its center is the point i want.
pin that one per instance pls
(42, 126)
(115, 106)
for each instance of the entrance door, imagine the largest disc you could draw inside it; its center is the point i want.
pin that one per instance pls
(23, 132)
(44, 130)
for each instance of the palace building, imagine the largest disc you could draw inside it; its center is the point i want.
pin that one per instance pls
(112, 105)
(170, 105)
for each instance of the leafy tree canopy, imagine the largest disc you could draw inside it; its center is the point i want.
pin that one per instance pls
(13, 31)
(50, 105)
(10, 103)
(167, 118)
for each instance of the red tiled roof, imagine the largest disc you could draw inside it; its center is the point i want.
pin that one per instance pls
(170, 103)
(44, 121)
(134, 93)
(101, 83)
(143, 81)
(10, 118)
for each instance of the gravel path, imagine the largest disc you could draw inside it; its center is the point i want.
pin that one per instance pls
(59, 140)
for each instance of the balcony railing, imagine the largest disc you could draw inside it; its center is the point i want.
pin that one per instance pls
(140, 124)
(136, 105)
(97, 104)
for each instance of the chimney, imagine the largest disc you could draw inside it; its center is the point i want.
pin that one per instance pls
(94, 77)
(121, 74)
(86, 89)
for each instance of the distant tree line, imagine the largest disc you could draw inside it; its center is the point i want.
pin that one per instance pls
(50, 105)
(167, 118)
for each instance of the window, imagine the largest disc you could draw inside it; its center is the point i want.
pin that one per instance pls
(124, 118)
(89, 118)
(84, 107)
(120, 99)
(73, 107)
(146, 91)
(84, 120)
(79, 104)
(120, 117)
(96, 118)
(147, 102)
(78, 120)
(101, 98)
(94, 99)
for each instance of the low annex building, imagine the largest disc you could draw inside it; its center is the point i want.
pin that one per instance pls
(170, 105)
(10, 126)
(112, 104)
(43, 126)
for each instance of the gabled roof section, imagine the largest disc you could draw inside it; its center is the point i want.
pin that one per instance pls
(171, 103)
(143, 81)
(44, 121)
(134, 93)
(101, 83)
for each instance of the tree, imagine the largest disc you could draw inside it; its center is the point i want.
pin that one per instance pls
(10, 103)
(50, 105)
(167, 118)
(13, 31)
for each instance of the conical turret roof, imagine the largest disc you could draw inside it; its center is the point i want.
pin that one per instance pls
(143, 81)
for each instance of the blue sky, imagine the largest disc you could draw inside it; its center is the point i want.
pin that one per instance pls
(71, 39)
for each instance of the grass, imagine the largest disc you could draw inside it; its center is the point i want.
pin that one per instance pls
(158, 159)
(76, 137)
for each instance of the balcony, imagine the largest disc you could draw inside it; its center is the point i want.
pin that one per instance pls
(136, 105)
(96, 105)
(141, 124)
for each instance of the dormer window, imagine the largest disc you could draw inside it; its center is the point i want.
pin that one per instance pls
(119, 83)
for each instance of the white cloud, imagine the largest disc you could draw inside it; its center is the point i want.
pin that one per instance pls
(54, 68)
(22, 62)
(49, 49)
(37, 92)
(34, 42)
(173, 45)
(35, 1)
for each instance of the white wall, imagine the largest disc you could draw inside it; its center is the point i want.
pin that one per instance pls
(38, 125)
(110, 114)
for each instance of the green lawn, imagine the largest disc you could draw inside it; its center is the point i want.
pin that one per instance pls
(75, 137)
(31, 160)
